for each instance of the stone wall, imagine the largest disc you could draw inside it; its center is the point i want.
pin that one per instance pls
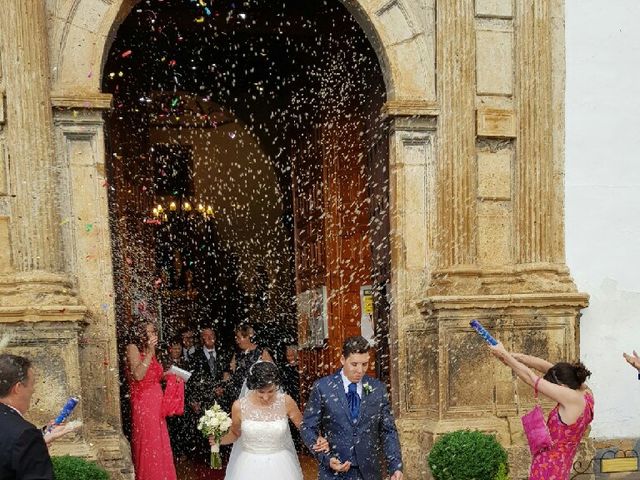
(475, 105)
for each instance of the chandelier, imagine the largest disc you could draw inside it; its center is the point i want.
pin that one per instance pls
(162, 213)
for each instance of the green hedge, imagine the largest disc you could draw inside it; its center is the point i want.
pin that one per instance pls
(468, 455)
(75, 468)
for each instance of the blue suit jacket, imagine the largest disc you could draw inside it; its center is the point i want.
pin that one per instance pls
(364, 442)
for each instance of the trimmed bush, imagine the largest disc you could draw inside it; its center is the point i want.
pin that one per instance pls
(76, 468)
(468, 455)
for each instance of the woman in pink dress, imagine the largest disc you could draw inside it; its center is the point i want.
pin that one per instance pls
(570, 418)
(152, 456)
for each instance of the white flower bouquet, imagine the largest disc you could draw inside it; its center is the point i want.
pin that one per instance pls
(215, 423)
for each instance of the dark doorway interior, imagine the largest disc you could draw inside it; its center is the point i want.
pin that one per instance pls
(248, 165)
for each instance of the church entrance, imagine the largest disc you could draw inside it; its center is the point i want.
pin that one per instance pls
(248, 176)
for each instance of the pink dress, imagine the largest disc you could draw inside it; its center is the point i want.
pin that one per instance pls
(556, 463)
(152, 456)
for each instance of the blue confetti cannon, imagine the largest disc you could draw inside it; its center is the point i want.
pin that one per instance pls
(65, 412)
(477, 326)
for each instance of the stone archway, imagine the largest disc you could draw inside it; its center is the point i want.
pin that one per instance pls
(80, 33)
(474, 100)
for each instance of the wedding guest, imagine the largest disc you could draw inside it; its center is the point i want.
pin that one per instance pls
(352, 411)
(150, 445)
(207, 366)
(633, 360)
(175, 353)
(568, 421)
(23, 452)
(204, 388)
(250, 353)
(188, 343)
(291, 374)
(23, 448)
(177, 426)
(291, 386)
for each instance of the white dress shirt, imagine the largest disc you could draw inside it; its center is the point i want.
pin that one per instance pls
(346, 382)
(187, 353)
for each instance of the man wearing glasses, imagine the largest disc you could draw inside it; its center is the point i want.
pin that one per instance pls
(23, 451)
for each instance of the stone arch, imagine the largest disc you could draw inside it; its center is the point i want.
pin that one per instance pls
(81, 32)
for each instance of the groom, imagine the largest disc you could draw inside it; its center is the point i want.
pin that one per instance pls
(352, 411)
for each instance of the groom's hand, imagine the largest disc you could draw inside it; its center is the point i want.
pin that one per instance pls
(321, 445)
(335, 465)
(397, 475)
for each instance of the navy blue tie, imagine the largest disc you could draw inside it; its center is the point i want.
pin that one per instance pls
(354, 400)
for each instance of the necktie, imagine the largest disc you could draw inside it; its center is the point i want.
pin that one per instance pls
(212, 362)
(353, 399)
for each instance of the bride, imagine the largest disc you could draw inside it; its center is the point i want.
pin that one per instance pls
(260, 429)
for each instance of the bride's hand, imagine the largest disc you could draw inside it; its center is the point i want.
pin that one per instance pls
(321, 445)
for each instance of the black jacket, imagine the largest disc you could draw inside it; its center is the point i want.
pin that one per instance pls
(201, 385)
(23, 453)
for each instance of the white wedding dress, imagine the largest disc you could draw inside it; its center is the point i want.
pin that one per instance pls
(265, 449)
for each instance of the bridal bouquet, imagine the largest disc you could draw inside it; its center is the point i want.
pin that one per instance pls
(215, 423)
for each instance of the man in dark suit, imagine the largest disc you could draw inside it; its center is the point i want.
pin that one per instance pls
(207, 367)
(351, 410)
(23, 452)
(206, 385)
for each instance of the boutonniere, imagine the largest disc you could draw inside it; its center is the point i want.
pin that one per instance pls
(367, 389)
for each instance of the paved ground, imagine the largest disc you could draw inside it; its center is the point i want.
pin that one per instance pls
(188, 470)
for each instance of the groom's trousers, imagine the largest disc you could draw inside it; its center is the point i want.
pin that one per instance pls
(354, 474)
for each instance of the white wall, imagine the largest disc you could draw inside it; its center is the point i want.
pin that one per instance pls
(603, 199)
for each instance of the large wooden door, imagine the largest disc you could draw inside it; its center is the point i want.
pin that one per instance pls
(333, 249)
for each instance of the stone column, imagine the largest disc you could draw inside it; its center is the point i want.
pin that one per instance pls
(34, 220)
(456, 155)
(412, 160)
(536, 214)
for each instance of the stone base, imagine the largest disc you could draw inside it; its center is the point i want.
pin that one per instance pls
(418, 437)
(102, 445)
(49, 336)
(455, 382)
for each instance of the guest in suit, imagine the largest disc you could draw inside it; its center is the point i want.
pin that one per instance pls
(351, 410)
(207, 366)
(23, 451)
(188, 343)
(205, 386)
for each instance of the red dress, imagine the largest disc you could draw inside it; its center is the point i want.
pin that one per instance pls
(556, 463)
(152, 456)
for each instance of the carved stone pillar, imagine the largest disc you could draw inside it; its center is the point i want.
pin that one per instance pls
(497, 243)
(83, 191)
(535, 209)
(34, 222)
(412, 185)
(456, 153)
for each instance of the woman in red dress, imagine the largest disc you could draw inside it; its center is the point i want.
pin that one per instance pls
(152, 456)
